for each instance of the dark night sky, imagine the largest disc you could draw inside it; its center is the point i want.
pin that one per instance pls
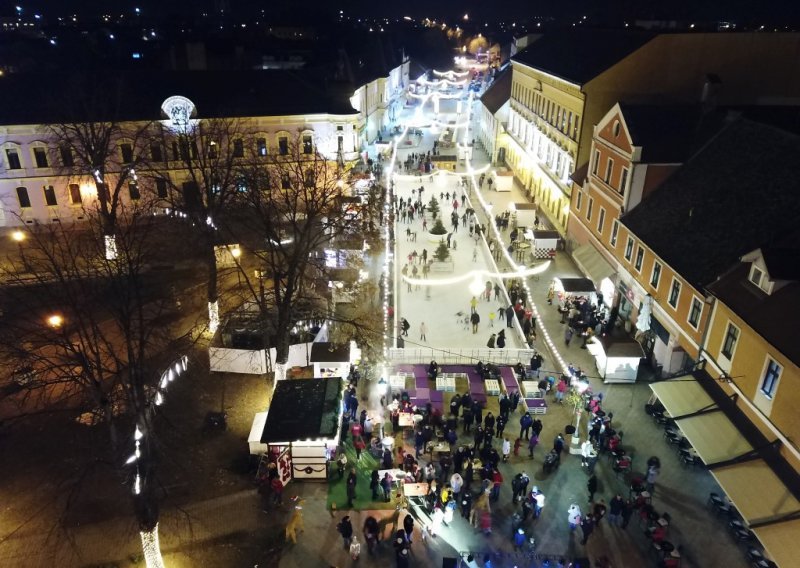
(738, 10)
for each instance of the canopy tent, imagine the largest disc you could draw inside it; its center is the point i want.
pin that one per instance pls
(714, 437)
(780, 541)
(257, 448)
(303, 409)
(758, 494)
(592, 263)
(616, 361)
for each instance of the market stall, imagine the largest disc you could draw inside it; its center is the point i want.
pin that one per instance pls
(616, 361)
(568, 288)
(305, 418)
(332, 360)
(545, 243)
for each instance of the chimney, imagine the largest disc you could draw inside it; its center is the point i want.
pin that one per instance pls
(711, 89)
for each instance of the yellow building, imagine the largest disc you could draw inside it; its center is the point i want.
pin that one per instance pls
(563, 84)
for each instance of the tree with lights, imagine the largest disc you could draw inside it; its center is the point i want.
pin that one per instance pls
(90, 330)
(95, 147)
(209, 154)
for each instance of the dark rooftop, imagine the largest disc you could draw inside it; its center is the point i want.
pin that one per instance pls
(670, 134)
(739, 192)
(329, 353)
(138, 95)
(303, 409)
(498, 92)
(581, 55)
(765, 313)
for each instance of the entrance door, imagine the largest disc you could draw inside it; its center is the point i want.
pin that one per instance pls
(501, 155)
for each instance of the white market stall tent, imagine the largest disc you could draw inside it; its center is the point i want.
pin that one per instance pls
(616, 361)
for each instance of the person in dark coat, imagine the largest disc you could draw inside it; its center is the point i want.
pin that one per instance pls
(375, 484)
(501, 339)
(455, 403)
(591, 485)
(525, 423)
(352, 479)
(345, 528)
(408, 526)
(510, 316)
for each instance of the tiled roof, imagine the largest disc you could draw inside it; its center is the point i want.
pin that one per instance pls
(669, 134)
(739, 192)
(581, 55)
(499, 92)
(138, 95)
(765, 313)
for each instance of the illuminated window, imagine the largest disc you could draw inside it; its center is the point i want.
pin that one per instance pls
(261, 147)
(308, 145)
(75, 194)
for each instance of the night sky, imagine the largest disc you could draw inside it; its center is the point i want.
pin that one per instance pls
(774, 11)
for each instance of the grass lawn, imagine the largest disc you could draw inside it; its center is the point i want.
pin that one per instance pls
(337, 488)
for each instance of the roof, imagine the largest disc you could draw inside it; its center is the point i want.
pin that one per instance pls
(499, 92)
(302, 409)
(138, 95)
(578, 56)
(322, 352)
(577, 285)
(670, 134)
(764, 313)
(580, 173)
(738, 192)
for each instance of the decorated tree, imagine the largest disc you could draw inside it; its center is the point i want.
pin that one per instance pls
(442, 253)
(433, 207)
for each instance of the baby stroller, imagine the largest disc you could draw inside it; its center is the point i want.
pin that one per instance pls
(551, 462)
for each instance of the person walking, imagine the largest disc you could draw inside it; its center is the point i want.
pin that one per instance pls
(574, 516)
(525, 423)
(374, 484)
(501, 339)
(371, 533)
(475, 319)
(506, 449)
(351, 487)
(538, 502)
(408, 526)
(587, 526)
(386, 485)
(473, 304)
(345, 528)
(423, 331)
(568, 335)
(496, 290)
(490, 343)
(652, 475)
(510, 316)
(591, 485)
(615, 508)
(532, 443)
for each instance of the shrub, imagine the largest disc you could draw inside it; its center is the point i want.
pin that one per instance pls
(438, 228)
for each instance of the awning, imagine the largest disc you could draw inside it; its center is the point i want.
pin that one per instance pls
(780, 541)
(758, 494)
(682, 396)
(714, 437)
(592, 263)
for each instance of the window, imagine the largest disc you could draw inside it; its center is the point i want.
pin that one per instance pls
(283, 145)
(156, 153)
(609, 167)
(238, 148)
(596, 163)
(126, 150)
(623, 180)
(133, 191)
(694, 312)
(40, 157)
(161, 188)
(601, 219)
(674, 293)
(13, 159)
(66, 157)
(212, 150)
(308, 145)
(175, 152)
(261, 147)
(731, 339)
(758, 277)
(629, 249)
(50, 196)
(589, 209)
(579, 201)
(616, 128)
(639, 259)
(310, 178)
(286, 183)
(771, 376)
(614, 233)
(655, 276)
(75, 194)
(23, 197)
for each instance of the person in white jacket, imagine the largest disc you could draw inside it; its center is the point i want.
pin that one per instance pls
(506, 449)
(574, 516)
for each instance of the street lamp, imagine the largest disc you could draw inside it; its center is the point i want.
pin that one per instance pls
(55, 321)
(575, 444)
(18, 236)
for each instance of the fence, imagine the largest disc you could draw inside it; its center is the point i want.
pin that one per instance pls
(459, 356)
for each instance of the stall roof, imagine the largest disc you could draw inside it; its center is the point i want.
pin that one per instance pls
(573, 285)
(303, 409)
(524, 206)
(682, 395)
(780, 540)
(546, 235)
(624, 349)
(758, 494)
(330, 353)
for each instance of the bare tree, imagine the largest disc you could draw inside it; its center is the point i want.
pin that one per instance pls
(85, 332)
(292, 208)
(202, 171)
(95, 146)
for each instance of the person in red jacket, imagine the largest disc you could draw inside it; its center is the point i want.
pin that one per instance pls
(497, 482)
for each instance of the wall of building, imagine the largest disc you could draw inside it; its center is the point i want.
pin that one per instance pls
(747, 367)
